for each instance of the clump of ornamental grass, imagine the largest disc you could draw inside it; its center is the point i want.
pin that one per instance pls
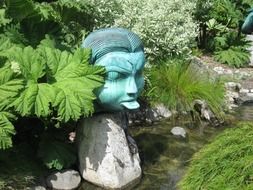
(177, 83)
(226, 163)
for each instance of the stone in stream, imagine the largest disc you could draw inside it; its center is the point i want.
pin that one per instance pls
(162, 111)
(203, 110)
(106, 156)
(38, 188)
(178, 131)
(64, 180)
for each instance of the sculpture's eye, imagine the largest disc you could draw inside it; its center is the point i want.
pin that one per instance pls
(114, 75)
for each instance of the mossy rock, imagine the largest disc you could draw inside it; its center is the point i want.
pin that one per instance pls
(226, 163)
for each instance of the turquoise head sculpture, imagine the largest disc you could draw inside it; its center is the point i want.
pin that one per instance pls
(247, 27)
(121, 52)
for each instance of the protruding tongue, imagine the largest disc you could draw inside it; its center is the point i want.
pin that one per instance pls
(131, 105)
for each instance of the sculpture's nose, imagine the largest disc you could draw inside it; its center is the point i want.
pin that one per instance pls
(131, 87)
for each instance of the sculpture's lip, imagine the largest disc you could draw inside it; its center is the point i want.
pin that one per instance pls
(130, 100)
(133, 104)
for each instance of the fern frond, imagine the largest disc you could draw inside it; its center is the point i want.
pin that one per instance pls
(234, 56)
(220, 42)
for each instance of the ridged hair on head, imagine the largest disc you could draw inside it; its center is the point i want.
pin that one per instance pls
(108, 40)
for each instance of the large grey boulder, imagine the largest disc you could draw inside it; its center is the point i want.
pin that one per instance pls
(64, 180)
(105, 158)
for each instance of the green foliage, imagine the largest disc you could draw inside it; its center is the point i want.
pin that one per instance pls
(43, 73)
(60, 79)
(56, 154)
(67, 21)
(232, 50)
(166, 27)
(226, 163)
(3, 19)
(6, 130)
(182, 83)
(226, 12)
(105, 12)
(234, 56)
(46, 83)
(220, 23)
(19, 167)
(9, 88)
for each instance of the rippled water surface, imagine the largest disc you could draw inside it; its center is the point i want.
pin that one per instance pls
(245, 112)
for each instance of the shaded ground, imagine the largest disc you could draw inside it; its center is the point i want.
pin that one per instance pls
(19, 168)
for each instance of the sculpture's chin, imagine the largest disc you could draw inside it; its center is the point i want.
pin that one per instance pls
(131, 105)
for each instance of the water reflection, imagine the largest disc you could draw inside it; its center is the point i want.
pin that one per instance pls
(164, 156)
(245, 112)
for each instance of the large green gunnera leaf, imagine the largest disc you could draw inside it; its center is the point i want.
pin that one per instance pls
(35, 99)
(31, 64)
(10, 86)
(74, 80)
(58, 78)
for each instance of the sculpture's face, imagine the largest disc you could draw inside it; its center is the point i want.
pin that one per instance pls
(124, 80)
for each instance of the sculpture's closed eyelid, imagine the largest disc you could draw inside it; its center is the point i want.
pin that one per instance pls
(114, 75)
(118, 69)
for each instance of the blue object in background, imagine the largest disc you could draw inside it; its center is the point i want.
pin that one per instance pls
(247, 27)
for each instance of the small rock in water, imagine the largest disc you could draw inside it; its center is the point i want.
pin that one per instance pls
(64, 180)
(178, 131)
(244, 91)
(162, 111)
(38, 188)
(218, 70)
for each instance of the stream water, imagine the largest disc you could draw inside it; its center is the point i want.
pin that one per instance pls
(165, 157)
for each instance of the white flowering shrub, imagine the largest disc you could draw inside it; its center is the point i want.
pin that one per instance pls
(104, 12)
(165, 26)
